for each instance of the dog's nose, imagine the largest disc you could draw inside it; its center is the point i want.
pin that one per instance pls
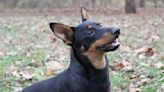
(116, 31)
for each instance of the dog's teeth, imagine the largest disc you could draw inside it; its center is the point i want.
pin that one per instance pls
(115, 43)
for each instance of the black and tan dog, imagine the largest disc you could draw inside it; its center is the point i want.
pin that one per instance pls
(88, 70)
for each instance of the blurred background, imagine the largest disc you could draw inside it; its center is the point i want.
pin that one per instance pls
(29, 51)
(42, 4)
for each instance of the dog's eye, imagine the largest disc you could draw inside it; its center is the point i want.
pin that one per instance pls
(99, 24)
(90, 32)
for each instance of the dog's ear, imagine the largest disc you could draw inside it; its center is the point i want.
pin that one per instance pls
(84, 14)
(64, 32)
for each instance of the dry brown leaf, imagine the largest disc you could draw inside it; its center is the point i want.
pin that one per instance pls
(13, 71)
(145, 81)
(149, 52)
(2, 54)
(36, 64)
(146, 51)
(132, 88)
(158, 65)
(134, 77)
(18, 72)
(54, 65)
(152, 37)
(119, 66)
(138, 90)
(128, 69)
(53, 39)
(50, 72)
(141, 50)
(27, 75)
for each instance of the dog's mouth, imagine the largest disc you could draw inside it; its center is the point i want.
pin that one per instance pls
(110, 46)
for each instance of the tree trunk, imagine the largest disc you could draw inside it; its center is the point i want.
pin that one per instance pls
(163, 2)
(3, 3)
(93, 2)
(141, 3)
(130, 6)
(155, 3)
(10, 3)
(75, 2)
(40, 5)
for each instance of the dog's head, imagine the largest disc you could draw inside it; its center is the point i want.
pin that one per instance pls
(89, 37)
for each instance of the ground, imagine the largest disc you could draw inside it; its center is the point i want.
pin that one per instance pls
(29, 52)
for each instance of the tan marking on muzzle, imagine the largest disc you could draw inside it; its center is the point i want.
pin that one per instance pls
(96, 57)
(107, 37)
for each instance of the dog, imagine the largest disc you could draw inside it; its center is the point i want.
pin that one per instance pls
(88, 69)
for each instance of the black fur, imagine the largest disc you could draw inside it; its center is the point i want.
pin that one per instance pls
(81, 76)
(75, 79)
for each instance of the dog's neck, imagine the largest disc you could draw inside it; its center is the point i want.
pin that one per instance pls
(86, 69)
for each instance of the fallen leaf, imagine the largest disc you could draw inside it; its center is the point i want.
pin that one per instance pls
(36, 64)
(152, 37)
(54, 65)
(124, 65)
(27, 75)
(158, 65)
(134, 77)
(138, 90)
(53, 40)
(132, 88)
(2, 54)
(149, 52)
(19, 72)
(119, 66)
(13, 71)
(146, 51)
(145, 81)
(50, 72)
(128, 69)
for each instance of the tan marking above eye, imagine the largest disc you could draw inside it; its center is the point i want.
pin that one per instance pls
(89, 27)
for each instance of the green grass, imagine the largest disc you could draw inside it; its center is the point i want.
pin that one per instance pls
(120, 79)
(33, 34)
(5, 62)
(150, 89)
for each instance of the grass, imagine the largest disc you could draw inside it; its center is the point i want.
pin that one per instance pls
(5, 62)
(120, 80)
(29, 45)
